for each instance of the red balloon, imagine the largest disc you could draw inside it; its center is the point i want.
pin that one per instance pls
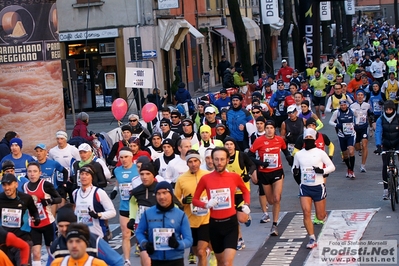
(149, 112)
(119, 108)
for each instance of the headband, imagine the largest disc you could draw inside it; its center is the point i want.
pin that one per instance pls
(190, 156)
(125, 153)
(77, 234)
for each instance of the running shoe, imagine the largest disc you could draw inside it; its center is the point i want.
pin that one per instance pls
(347, 174)
(323, 116)
(212, 259)
(385, 196)
(265, 218)
(127, 263)
(359, 152)
(363, 169)
(192, 259)
(248, 223)
(317, 221)
(240, 244)
(312, 244)
(351, 174)
(274, 230)
(137, 250)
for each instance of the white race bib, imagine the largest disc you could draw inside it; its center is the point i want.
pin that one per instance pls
(41, 211)
(161, 238)
(309, 176)
(272, 159)
(318, 93)
(124, 189)
(83, 215)
(223, 197)
(11, 218)
(348, 128)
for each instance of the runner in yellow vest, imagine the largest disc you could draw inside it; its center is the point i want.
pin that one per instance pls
(310, 70)
(390, 88)
(331, 71)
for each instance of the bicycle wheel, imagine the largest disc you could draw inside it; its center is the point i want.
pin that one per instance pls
(392, 190)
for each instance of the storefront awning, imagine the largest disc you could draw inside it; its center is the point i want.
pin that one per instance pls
(253, 30)
(197, 35)
(173, 31)
(226, 33)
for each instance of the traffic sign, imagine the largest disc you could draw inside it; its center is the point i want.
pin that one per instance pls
(149, 54)
(136, 53)
(139, 78)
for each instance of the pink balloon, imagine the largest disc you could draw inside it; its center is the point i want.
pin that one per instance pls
(149, 112)
(119, 108)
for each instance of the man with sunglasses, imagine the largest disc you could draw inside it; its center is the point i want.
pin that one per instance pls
(211, 120)
(167, 133)
(138, 130)
(176, 125)
(188, 131)
(256, 111)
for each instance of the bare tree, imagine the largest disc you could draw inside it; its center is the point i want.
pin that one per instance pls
(241, 39)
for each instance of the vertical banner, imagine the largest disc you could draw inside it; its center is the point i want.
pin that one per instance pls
(350, 7)
(307, 29)
(269, 11)
(325, 11)
(31, 101)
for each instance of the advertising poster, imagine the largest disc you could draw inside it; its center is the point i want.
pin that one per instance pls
(31, 96)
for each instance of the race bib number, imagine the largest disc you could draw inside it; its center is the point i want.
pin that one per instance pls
(318, 93)
(348, 128)
(222, 196)
(392, 69)
(124, 189)
(378, 71)
(41, 210)
(281, 106)
(60, 176)
(84, 217)
(377, 107)
(362, 119)
(161, 238)
(392, 95)
(309, 176)
(272, 159)
(11, 217)
(140, 212)
(330, 77)
(48, 179)
(199, 211)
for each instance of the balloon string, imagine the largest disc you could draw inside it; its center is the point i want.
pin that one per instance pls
(119, 123)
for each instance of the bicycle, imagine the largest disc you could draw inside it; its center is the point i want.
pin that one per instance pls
(392, 171)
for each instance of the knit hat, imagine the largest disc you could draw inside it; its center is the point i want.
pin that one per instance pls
(148, 167)
(6, 165)
(389, 104)
(261, 119)
(236, 96)
(360, 91)
(164, 185)
(221, 125)
(66, 214)
(257, 94)
(309, 132)
(17, 141)
(126, 128)
(230, 139)
(310, 121)
(83, 116)
(257, 107)
(143, 160)
(202, 103)
(181, 85)
(78, 230)
(61, 134)
(165, 120)
(156, 134)
(169, 142)
(205, 128)
(271, 123)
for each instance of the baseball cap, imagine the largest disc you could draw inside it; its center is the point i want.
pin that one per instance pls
(84, 147)
(41, 146)
(279, 82)
(156, 134)
(210, 109)
(270, 123)
(8, 178)
(223, 90)
(283, 61)
(291, 109)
